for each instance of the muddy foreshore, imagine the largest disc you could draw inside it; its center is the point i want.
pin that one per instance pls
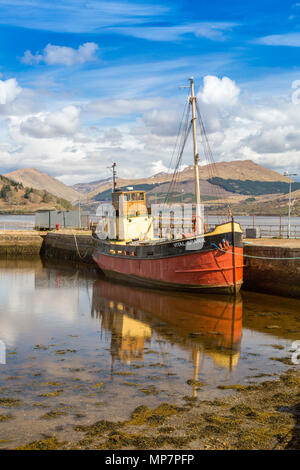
(263, 416)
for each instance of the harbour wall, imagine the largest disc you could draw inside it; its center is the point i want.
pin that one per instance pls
(263, 272)
(68, 247)
(16, 244)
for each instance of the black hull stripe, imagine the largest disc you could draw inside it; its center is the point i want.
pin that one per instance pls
(103, 247)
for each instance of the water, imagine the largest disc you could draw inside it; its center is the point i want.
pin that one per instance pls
(16, 222)
(91, 349)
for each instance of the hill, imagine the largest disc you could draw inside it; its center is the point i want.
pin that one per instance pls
(272, 204)
(17, 198)
(253, 188)
(242, 171)
(85, 188)
(33, 178)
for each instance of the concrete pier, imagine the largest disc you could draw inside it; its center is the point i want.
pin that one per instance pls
(68, 246)
(15, 244)
(264, 273)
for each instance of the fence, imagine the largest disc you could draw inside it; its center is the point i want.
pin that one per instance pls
(276, 231)
(49, 219)
(268, 230)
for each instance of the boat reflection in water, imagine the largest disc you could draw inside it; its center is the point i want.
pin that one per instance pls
(203, 325)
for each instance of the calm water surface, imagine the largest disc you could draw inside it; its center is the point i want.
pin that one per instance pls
(88, 349)
(16, 222)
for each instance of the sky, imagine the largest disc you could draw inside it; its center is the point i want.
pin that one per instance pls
(84, 84)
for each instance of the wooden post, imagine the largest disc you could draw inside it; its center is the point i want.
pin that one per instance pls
(196, 156)
(233, 256)
(196, 373)
(280, 226)
(232, 334)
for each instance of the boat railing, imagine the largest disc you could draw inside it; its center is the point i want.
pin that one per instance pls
(269, 230)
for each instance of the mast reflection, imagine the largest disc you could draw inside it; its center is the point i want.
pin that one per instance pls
(203, 325)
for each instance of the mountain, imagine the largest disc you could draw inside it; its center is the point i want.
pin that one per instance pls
(241, 170)
(85, 188)
(17, 198)
(240, 176)
(273, 204)
(33, 178)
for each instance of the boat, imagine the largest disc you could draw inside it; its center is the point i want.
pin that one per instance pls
(135, 245)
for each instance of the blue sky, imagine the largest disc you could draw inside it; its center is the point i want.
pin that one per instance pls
(84, 83)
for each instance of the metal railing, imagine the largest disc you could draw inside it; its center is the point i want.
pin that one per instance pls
(268, 230)
(276, 231)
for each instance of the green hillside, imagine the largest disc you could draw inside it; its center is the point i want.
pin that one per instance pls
(253, 188)
(14, 197)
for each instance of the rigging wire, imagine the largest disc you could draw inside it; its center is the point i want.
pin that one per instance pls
(184, 136)
(178, 134)
(181, 150)
(211, 167)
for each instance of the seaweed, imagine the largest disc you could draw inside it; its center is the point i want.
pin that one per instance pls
(50, 443)
(9, 402)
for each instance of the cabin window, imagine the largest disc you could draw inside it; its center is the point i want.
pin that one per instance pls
(133, 197)
(141, 196)
(150, 253)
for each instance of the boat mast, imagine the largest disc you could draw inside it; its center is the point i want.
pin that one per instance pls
(196, 155)
(114, 180)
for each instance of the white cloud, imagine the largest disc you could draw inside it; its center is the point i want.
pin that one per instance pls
(9, 90)
(209, 30)
(76, 16)
(162, 122)
(48, 125)
(288, 39)
(220, 92)
(63, 55)
(116, 107)
(159, 167)
(141, 134)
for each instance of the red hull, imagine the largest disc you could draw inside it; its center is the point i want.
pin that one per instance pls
(205, 270)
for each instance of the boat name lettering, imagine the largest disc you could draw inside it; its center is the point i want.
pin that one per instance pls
(179, 244)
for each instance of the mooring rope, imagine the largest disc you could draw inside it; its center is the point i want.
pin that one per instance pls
(80, 256)
(251, 256)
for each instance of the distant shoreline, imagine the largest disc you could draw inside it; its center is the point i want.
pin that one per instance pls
(16, 212)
